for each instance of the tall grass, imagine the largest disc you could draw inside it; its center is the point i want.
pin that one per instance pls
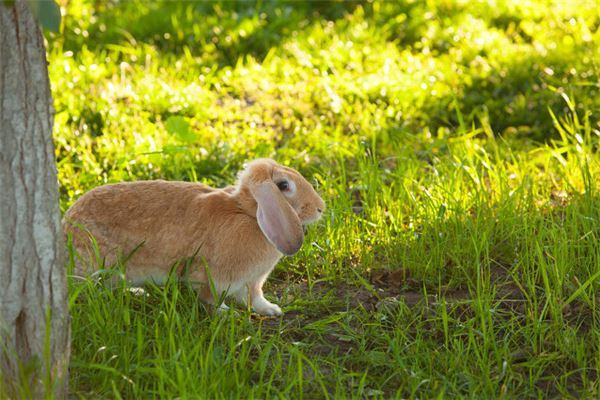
(456, 145)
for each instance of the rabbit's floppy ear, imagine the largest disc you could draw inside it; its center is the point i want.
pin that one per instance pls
(277, 219)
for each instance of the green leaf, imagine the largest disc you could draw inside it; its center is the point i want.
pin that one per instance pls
(178, 126)
(47, 13)
(582, 288)
(173, 149)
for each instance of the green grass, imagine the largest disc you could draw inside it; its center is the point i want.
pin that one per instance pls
(455, 144)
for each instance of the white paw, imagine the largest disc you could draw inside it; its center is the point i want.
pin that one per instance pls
(138, 291)
(223, 308)
(265, 307)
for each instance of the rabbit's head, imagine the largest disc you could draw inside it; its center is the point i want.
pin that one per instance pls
(285, 202)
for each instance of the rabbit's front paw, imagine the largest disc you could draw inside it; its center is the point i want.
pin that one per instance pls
(265, 307)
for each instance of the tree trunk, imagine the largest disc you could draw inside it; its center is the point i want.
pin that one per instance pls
(34, 320)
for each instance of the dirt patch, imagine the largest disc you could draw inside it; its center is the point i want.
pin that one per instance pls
(387, 290)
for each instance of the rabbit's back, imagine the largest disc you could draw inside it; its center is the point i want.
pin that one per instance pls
(127, 202)
(160, 220)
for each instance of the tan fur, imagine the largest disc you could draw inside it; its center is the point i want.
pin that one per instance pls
(170, 221)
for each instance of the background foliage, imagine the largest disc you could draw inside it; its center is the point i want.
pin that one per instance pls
(455, 142)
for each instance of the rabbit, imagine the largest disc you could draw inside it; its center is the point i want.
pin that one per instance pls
(235, 235)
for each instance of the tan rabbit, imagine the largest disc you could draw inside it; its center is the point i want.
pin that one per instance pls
(238, 233)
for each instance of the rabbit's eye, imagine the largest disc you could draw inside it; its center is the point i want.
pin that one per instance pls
(283, 185)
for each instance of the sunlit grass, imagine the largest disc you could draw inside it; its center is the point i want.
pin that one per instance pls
(455, 143)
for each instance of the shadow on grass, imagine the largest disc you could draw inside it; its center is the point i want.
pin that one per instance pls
(515, 97)
(219, 32)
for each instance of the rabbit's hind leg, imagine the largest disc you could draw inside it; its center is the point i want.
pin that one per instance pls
(205, 293)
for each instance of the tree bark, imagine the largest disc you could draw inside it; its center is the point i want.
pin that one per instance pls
(34, 320)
